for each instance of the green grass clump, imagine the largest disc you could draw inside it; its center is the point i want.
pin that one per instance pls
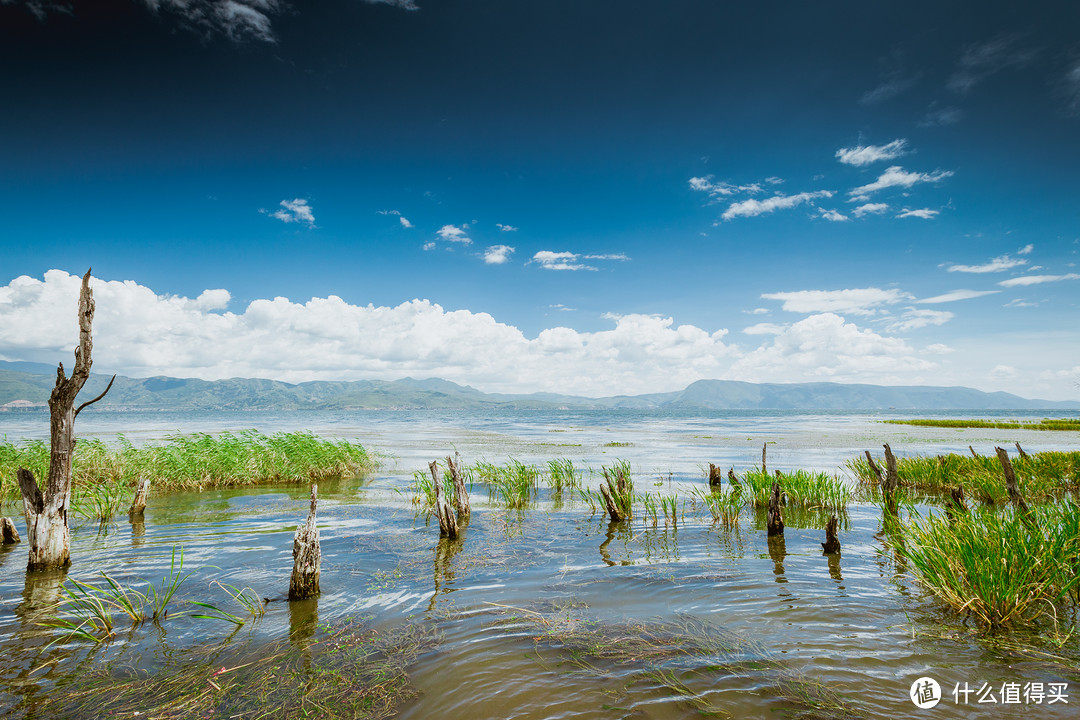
(800, 488)
(200, 460)
(513, 484)
(1000, 565)
(1044, 424)
(724, 507)
(563, 474)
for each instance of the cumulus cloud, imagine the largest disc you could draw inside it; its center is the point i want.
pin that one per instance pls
(833, 215)
(506, 228)
(870, 209)
(550, 260)
(765, 329)
(924, 213)
(981, 60)
(752, 207)
(896, 176)
(914, 318)
(865, 155)
(498, 254)
(998, 264)
(1026, 280)
(453, 233)
(296, 210)
(1026, 250)
(954, 295)
(857, 301)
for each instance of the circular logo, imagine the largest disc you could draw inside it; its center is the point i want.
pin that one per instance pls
(925, 692)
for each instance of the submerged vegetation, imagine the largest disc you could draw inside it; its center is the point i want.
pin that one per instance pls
(104, 475)
(1044, 424)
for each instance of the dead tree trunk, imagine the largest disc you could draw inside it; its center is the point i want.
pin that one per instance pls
(892, 480)
(874, 467)
(457, 476)
(973, 453)
(47, 512)
(8, 534)
(733, 480)
(956, 505)
(307, 555)
(774, 520)
(138, 505)
(1021, 451)
(832, 542)
(448, 525)
(764, 470)
(1010, 480)
(716, 477)
(616, 496)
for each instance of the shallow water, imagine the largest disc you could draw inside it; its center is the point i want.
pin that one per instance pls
(854, 624)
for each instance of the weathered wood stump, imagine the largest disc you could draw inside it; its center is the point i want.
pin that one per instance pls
(307, 555)
(448, 524)
(716, 477)
(832, 542)
(457, 476)
(138, 505)
(1010, 480)
(614, 490)
(46, 510)
(733, 480)
(1021, 451)
(764, 470)
(892, 480)
(956, 504)
(873, 466)
(9, 535)
(774, 519)
(973, 453)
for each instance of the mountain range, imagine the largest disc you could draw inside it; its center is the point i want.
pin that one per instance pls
(26, 386)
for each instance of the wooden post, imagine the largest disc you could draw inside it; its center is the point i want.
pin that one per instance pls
(307, 555)
(774, 520)
(892, 480)
(832, 542)
(448, 525)
(733, 480)
(139, 503)
(1010, 480)
(764, 470)
(457, 476)
(874, 467)
(8, 534)
(973, 453)
(46, 511)
(716, 477)
(1021, 451)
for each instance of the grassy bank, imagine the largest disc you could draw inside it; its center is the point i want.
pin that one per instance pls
(187, 462)
(1044, 424)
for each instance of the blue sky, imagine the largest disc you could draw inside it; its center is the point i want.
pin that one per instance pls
(588, 196)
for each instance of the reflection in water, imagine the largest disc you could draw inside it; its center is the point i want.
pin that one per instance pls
(443, 567)
(777, 551)
(834, 569)
(303, 620)
(660, 544)
(138, 531)
(40, 597)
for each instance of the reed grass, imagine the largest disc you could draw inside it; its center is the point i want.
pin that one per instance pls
(724, 507)
(513, 484)
(1002, 566)
(562, 474)
(103, 473)
(801, 488)
(1044, 424)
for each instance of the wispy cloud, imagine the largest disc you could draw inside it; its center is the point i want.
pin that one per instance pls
(498, 254)
(998, 264)
(895, 79)
(725, 189)
(862, 155)
(550, 260)
(753, 207)
(1070, 87)
(506, 228)
(296, 210)
(870, 209)
(856, 301)
(401, 218)
(937, 116)
(610, 256)
(1036, 280)
(924, 213)
(833, 215)
(453, 233)
(955, 295)
(981, 60)
(914, 318)
(896, 176)
(1026, 250)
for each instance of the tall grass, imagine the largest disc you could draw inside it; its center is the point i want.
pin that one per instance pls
(513, 484)
(1044, 424)
(724, 507)
(563, 474)
(1001, 565)
(801, 488)
(101, 470)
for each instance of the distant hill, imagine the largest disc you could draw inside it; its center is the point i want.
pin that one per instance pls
(23, 383)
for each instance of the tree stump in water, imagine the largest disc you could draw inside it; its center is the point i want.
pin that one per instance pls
(956, 504)
(764, 470)
(8, 534)
(1021, 451)
(46, 511)
(716, 477)
(874, 467)
(138, 505)
(457, 476)
(774, 520)
(1010, 480)
(307, 556)
(973, 453)
(615, 492)
(892, 480)
(733, 480)
(448, 524)
(832, 542)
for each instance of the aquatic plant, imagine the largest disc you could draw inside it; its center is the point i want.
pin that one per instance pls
(618, 490)
(514, 483)
(563, 474)
(1002, 565)
(724, 507)
(801, 487)
(1044, 424)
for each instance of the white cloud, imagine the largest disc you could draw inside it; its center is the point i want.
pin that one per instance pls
(981, 60)
(609, 256)
(550, 260)
(998, 264)
(858, 301)
(913, 318)
(954, 295)
(453, 233)
(213, 300)
(1070, 87)
(833, 215)
(868, 154)
(1004, 372)
(1026, 250)
(497, 254)
(896, 176)
(941, 116)
(924, 213)
(725, 189)
(429, 245)
(405, 222)
(401, 218)
(1020, 302)
(1026, 280)
(758, 311)
(870, 209)
(294, 211)
(752, 207)
(765, 329)
(506, 228)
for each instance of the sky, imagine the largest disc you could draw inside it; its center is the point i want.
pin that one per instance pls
(595, 197)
